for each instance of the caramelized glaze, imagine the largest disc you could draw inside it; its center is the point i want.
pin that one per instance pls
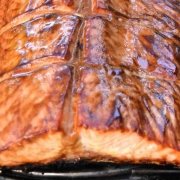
(32, 103)
(113, 98)
(72, 70)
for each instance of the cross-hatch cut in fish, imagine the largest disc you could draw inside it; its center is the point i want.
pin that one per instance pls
(94, 79)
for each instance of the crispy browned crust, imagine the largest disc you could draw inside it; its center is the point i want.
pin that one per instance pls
(89, 79)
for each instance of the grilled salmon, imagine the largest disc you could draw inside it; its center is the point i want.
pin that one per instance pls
(95, 79)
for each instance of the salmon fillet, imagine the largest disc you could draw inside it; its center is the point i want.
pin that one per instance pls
(91, 79)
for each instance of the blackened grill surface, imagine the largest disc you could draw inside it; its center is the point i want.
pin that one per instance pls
(88, 170)
(114, 65)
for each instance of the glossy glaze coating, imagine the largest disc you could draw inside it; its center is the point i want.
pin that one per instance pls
(32, 102)
(13, 8)
(134, 44)
(41, 37)
(110, 98)
(73, 70)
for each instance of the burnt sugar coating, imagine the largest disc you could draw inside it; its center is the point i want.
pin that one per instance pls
(96, 79)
